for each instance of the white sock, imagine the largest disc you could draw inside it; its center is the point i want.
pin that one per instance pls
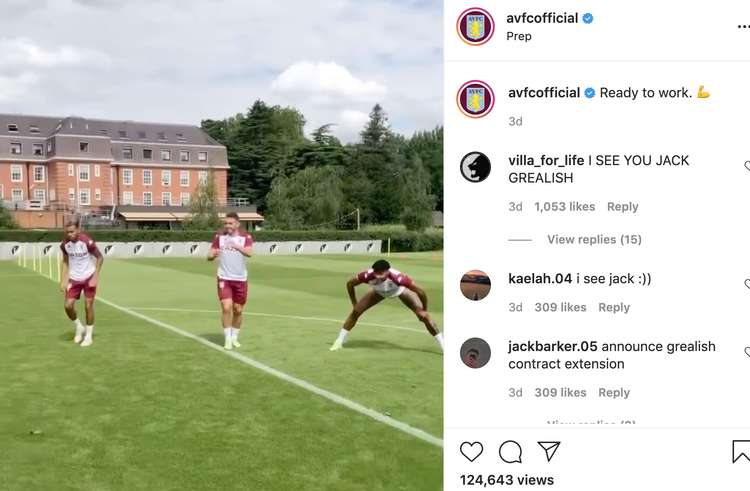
(342, 336)
(89, 331)
(439, 339)
(227, 334)
(78, 325)
(235, 333)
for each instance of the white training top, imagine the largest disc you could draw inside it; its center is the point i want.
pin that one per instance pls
(393, 286)
(232, 264)
(80, 254)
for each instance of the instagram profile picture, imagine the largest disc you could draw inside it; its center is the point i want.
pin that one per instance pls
(475, 26)
(475, 167)
(475, 285)
(475, 353)
(475, 99)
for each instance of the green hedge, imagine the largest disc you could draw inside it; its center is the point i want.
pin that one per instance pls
(400, 241)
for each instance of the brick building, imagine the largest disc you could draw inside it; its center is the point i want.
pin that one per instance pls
(78, 165)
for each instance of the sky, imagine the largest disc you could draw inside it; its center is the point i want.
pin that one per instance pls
(181, 61)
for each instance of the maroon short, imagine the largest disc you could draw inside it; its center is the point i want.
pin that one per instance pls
(74, 289)
(236, 290)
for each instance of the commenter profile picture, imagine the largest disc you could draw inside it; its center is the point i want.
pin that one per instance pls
(475, 353)
(475, 167)
(475, 285)
(475, 99)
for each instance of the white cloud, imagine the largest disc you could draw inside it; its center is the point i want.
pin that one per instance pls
(350, 124)
(326, 83)
(23, 53)
(213, 58)
(13, 87)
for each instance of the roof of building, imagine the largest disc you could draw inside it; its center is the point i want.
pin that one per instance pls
(131, 131)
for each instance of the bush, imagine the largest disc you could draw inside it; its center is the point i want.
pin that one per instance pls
(401, 241)
(6, 221)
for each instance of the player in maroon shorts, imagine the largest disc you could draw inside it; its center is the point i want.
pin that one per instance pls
(81, 265)
(232, 246)
(386, 282)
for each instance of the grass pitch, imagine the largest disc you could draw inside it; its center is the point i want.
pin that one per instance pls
(147, 408)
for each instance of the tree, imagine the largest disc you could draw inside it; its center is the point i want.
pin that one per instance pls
(428, 145)
(6, 220)
(417, 201)
(311, 198)
(267, 143)
(204, 213)
(376, 169)
(324, 150)
(377, 130)
(260, 145)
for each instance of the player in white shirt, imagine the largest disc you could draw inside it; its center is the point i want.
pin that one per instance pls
(81, 265)
(232, 246)
(386, 282)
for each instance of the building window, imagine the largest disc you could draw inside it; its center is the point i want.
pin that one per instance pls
(166, 178)
(71, 194)
(40, 195)
(184, 199)
(142, 135)
(147, 199)
(97, 170)
(16, 173)
(16, 149)
(123, 133)
(203, 176)
(84, 197)
(13, 128)
(202, 156)
(37, 149)
(98, 194)
(83, 147)
(148, 177)
(184, 178)
(38, 173)
(33, 128)
(166, 154)
(148, 154)
(127, 153)
(103, 132)
(166, 199)
(49, 147)
(16, 195)
(184, 156)
(127, 177)
(162, 135)
(2, 192)
(84, 172)
(127, 198)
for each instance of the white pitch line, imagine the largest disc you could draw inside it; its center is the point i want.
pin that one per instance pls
(347, 403)
(262, 314)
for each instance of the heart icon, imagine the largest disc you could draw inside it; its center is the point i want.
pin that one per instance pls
(747, 164)
(747, 282)
(471, 450)
(747, 351)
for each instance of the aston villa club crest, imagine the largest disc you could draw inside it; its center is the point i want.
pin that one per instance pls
(475, 99)
(475, 26)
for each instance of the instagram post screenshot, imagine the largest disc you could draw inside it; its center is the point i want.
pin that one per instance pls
(383, 245)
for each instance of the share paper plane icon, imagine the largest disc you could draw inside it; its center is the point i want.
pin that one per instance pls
(550, 448)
